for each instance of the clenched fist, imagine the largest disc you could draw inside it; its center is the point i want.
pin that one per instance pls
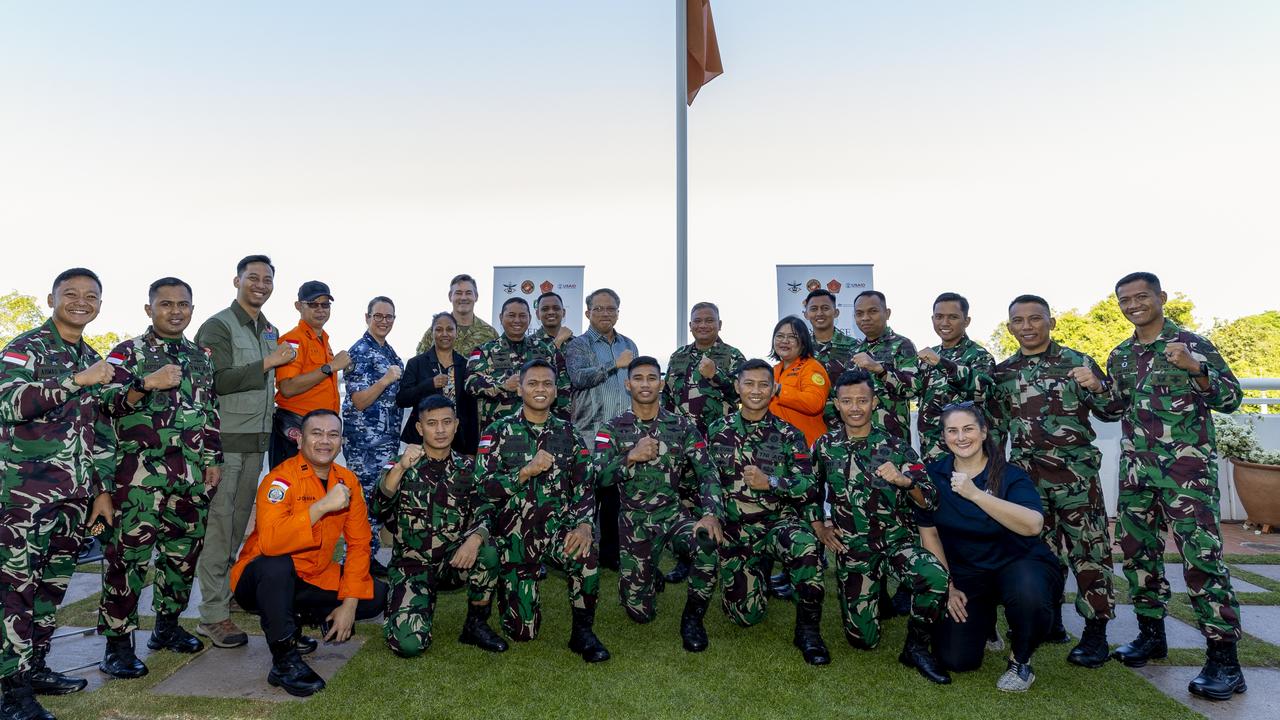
(165, 378)
(96, 374)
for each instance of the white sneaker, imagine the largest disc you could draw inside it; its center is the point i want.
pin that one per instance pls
(1018, 678)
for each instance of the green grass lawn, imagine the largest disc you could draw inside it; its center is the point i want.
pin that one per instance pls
(753, 673)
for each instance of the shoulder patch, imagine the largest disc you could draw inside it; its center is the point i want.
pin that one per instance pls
(16, 358)
(817, 379)
(486, 443)
(116, 358)
(476, 354)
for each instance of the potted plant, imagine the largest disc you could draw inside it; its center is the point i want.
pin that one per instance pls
(1256, 471)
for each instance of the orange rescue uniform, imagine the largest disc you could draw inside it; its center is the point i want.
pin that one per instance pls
(313, 353)
(283, 527)
(802, 396)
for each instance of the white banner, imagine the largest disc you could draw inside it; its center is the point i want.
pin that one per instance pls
(530, 281)
(844, 281)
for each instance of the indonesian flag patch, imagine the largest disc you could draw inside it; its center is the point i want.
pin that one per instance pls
(16, 358)
(486, 443)
(116, 358)
(279, 486)
(602, 440)
(476, 354)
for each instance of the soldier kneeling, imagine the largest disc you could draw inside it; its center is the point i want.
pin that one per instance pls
(431, 504)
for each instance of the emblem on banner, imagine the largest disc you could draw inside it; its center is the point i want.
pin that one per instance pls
(546, 286)
(509, 288)
(834, 286)
(794, 288)
(812, 285)
(526, 287)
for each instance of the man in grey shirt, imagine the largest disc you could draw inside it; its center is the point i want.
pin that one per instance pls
(597, 361)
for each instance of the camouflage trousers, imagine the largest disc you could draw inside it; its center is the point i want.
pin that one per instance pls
(411, 602)
(641, 542)
(1075, 527)
(1192, 515)
(521, 554)
(743, 556)
(38, 549)
(366, 463)
(860, 578)
(167, 522)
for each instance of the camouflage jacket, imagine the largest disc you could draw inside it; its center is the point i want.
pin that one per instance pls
(895, 388)
(1167, 437)
(437, 505)
(469, 337)
(780, 451)
(1042, 411)
(964, 373)
(703, 399)
(835, 356)
(55, 443)
(875, 515)
(378, 425)
(654, 489)
(179, 421)
(493, 362)
(560, 497)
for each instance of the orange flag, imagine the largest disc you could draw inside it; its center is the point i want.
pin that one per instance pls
(704, 51)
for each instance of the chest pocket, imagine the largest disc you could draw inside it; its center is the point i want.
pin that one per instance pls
(769, 455)
(515, 451)
(680, 366)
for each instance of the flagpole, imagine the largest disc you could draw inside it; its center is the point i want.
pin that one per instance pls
(682, 171)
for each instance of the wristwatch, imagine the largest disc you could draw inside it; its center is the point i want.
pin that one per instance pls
(327, 369)
(1200, 371)
(140, 384)
(773, 482)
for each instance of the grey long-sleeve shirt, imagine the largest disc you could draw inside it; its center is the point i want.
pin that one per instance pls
(598, 391)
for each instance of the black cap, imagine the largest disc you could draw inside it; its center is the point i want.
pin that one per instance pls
(313, 289)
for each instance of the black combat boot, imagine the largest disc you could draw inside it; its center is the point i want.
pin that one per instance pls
(916, 654)
(476, 630)
(1058, 634)
(289, 672)
(119, 661)
(1092, 650)
(19, 702)
(583, 640)
(808, 635)
(680, 571)
(169, 635)
(692, 632)
(780, 586)
(305, 643)
(45, 681)
(1149, 645)
(1221, 678)
(902, 601)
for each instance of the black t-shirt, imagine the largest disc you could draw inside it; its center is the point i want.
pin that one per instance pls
(973, 541)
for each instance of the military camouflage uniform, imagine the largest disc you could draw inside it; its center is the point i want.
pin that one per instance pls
(495, 361)
(469, 337)
(896, 386)
(1169, 476)
(653, 517)
(533, 518)
(166, 442)
(962, 374)
(437, 507)
(370, 436)
(836, 356)
(704, 400)
(1045, 414)
(878, 522)
(765, 523)
(56, 453)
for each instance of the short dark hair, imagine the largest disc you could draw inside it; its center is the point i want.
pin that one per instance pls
(1146, 277)
(955, 298)
(165, 282)
(643, 361)
(463, 277)
(872, 293)
(513, 301)
(375, 301)
(855, 376)
(606, 291)
(546, 295)
(76, 272)
(1030, 299)
(802, 334)
(753, 364)
(248, 260)
(321, 412)
(705, 306)
(434, 402)
(447, 314)
(820, 292)
(535, 363)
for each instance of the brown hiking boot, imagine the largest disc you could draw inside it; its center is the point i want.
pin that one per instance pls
(225, 634)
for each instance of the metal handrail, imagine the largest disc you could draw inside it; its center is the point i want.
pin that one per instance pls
(1261, 385)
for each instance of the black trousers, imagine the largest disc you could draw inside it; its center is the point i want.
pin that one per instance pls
(270, 588)
(1027, 588)
(282, 446)
(608, 507)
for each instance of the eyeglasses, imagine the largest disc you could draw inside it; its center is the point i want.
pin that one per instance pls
(379, 317)
(319, 305)
(605, 310)
(786, 336)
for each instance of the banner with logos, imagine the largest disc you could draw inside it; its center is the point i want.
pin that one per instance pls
(795, 282)
(530, 281)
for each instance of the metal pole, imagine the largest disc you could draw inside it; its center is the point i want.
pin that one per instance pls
(682, 172)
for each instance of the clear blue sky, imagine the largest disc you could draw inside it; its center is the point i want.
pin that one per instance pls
(990, 148)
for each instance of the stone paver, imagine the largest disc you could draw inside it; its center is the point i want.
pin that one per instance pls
(1172, 573)
(1261, 701)
(1125, 627)
(242, 672)
(81, 586)
(75, 651)
(1271, 572)
(1262, 622)
(148, 593)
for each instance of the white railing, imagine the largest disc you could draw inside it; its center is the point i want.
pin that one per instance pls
(1261, 384)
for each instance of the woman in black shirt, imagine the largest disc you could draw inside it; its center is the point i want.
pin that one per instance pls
(440, 371)
(986, 530)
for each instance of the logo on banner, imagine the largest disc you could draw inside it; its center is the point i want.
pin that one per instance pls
(794, 288)
(834, 286)
(812, 285)
(526, 287)
(567, 286)
(509, 288)
(546, 286)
